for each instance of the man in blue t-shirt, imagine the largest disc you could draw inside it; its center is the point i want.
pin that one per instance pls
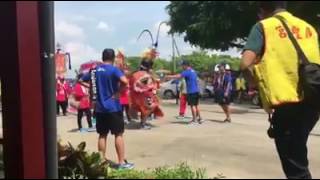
(193, 92)
(108, 109)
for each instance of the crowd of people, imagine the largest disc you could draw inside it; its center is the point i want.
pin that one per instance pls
(291, 118)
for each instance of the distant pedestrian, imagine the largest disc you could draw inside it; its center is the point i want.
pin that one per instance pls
(240, 87)
(81, 94)
(183, 98)
(124, 99)
(61, 95)
(193, 92)
(223, 90)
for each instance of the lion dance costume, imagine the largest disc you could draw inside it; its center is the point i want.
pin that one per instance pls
(143, 87)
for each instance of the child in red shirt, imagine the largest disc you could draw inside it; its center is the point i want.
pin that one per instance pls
(81, 94)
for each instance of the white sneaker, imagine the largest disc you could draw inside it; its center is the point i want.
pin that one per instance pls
(180, 117)
(192, 123)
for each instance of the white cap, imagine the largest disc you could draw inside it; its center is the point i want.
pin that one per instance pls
(228, 67)
(216, 68)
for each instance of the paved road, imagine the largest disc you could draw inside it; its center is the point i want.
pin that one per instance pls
(238, 150)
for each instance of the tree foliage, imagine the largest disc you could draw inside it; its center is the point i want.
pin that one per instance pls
(225, 24)
(134, 63)
(201, 61)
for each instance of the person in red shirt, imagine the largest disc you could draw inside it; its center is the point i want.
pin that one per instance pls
(81, 94)
(124, 98)
(61, 96)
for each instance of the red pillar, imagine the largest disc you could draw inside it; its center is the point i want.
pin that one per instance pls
(24, 145)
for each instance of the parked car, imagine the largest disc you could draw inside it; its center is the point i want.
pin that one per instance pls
(208, 91)
(169, 89)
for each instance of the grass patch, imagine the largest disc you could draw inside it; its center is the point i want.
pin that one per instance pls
(180, 171)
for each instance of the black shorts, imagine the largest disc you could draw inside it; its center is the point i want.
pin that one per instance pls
(222, 100)
(193, 99)
(110, 122)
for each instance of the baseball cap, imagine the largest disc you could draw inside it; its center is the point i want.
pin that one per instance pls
(185, 63)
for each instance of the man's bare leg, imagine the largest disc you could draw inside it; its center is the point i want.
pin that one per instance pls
(102, 145)
(120, 148)
(226, 110)
(198, 113)
(194, 113)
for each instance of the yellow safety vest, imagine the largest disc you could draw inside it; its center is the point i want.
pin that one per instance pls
(240, 84)
(277, 72)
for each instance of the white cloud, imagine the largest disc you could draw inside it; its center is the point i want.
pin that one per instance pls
(164, 29)
(73, 40)
(104, 26)
(68, 31)
(233, 52)
(80, 53)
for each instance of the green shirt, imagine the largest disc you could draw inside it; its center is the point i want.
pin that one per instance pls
(255, 40)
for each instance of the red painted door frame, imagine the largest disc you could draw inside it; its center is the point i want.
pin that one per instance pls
(23, 107)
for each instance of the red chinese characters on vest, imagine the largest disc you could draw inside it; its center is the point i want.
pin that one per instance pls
(296, 31)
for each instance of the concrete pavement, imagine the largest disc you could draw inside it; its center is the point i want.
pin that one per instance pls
(241, 149)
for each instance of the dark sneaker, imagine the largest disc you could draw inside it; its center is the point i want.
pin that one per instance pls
(193, 122)
(126, 166)
(227, 121)
(145, 127)
(200, 121)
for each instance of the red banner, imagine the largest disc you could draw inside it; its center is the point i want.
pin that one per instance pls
(60, 61)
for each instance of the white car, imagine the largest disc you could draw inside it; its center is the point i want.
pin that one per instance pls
(168, 90)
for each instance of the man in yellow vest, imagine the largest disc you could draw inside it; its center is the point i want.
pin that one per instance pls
(270, 60)
(240, 87)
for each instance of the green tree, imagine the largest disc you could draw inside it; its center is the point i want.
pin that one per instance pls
(202, 62)
(162, 64)
(134, 63)
(225, 24)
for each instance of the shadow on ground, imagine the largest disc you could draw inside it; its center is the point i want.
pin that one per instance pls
(216, 121)
(233, 111)
(314, 134)
(180, 122)
(206, 120)
(73, 130)
(133, 125)
(85, 130)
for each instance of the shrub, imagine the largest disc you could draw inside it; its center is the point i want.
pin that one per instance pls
(76, 163)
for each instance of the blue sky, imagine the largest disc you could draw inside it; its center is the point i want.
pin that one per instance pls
(86, 28)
